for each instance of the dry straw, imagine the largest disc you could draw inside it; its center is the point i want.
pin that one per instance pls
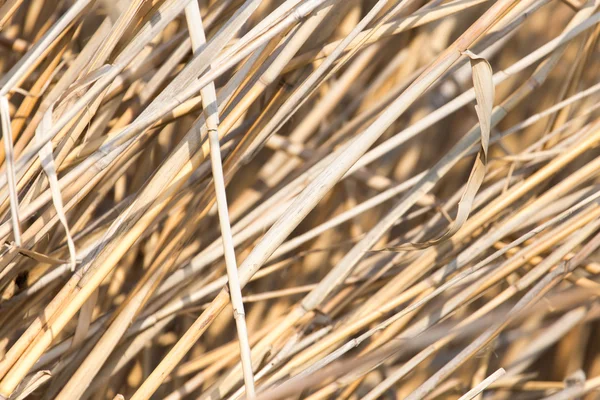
(299, 199)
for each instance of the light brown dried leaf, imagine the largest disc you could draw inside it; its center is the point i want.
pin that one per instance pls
(47, 161)
(484, 93)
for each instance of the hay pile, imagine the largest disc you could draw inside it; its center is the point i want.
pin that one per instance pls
(299, 199)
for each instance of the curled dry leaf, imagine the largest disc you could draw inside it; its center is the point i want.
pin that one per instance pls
(483, 85)
(34, 382)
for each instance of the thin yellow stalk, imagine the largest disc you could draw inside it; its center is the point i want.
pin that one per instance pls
(209, 99)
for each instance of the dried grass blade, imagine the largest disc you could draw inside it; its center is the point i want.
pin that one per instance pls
(484, 384)
(37, 380)
(84, 82)
(14, 76)
(47, 161)
(10, 169)
(483, 85)
(211, 110)
(34, 255)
